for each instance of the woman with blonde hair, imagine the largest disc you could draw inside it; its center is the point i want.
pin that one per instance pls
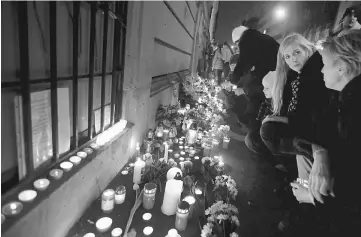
(339, 140)
(299, 92)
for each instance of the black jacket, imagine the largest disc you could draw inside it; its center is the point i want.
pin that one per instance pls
(310, 97)
(265, 109)
(258, 50)
(343, 142)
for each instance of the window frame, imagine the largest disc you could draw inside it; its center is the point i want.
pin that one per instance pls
(23, 86)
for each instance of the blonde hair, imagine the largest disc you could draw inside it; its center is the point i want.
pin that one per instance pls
(282, 68)
(347, 50)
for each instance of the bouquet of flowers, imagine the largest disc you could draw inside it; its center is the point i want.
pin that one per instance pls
(222, 220)
(225, 188)
(224, 130)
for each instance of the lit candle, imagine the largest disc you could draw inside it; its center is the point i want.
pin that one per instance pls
(181, 159)
(234, 87)
(94, 145)
(173, 233)
(27, 195)
(117, 232)
(181, 147)
(196, 157)
(188, 106)
(56, 173)
(191, 200)
(41, 184)
(75, 160)
(226, 141)
(82, 154)
(88, 150)
(107, 204)
(12, 208)
(103, 224)
(176, 155)
(165, 152)
(172, 193)
(89, 235)
(120, 193)
(197, 191)
(138, 170)
(125, 172)
(66, 165)
(165, 134)
(147, 216)
(150, 190)
(148, 230)
(182, 215)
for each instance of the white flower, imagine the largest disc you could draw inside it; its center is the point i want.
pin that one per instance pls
(235, 220)
(207, 230)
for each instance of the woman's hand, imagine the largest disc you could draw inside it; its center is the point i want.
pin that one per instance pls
(301, 193)
(272, 118)
(320, 182)
(238, 91)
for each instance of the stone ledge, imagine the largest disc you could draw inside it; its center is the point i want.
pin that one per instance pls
(55, 210)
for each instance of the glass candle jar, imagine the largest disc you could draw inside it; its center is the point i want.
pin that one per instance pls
(108, 200)
(150, 190)
(120, 193)
(181, 218)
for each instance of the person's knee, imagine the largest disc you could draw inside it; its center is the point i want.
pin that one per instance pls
(268, 134)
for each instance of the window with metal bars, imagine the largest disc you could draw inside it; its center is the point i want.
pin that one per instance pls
(61, 80)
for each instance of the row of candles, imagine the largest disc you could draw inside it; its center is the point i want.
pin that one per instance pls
(171, 202)
(15, 207)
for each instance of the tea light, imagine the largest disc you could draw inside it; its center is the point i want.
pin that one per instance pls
(82, 154)
(75, 160)
(181, 159)
(103, 224)
(27, 195)
(89, 235)
(197, 191)
(147, 216)
(12, 208)
(148, 230)
(191, 200)
(117, 232)
(220, 164)
(125, 172)
(131, 164)
(186, 147)
(56, 173)
(94, 145)
(170, 151)
(88, 150)
(41, 184)
(181, 147)
(182, 137)
(182, 153)
(66, 165)
(173, 233)
(196, 157)
(176, 155)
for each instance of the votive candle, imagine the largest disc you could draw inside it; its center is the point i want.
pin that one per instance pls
(107, 204)
(120, 193)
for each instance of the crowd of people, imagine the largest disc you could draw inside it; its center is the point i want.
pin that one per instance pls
(303, 102)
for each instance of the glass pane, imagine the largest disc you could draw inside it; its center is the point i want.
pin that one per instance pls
(9, 154)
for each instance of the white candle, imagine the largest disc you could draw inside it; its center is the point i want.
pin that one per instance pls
(41, 184)
(173, 233)
(103, 224)
(117, 232)
(147, 216)
(198, 191)
(147, 230)
(56, 173)
(172, 193)
(107, 203)
(166, 152)
(138, 170)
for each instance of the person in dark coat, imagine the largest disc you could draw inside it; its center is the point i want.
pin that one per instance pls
(299, 93)
(336, 152)
(257, 57)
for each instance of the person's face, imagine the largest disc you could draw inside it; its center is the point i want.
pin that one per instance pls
(349, 21)
(332, 72)
(295, 57)
(267, 88)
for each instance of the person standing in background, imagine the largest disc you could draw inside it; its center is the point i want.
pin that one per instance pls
(226, 54)
(217, 63)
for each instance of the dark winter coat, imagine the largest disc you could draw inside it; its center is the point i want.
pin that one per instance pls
(255, 50)
(264, 110)
(304, 96)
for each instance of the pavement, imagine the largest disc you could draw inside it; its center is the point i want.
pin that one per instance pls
(258, 204)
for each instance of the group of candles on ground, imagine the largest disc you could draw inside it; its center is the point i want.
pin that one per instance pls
(172, 203)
